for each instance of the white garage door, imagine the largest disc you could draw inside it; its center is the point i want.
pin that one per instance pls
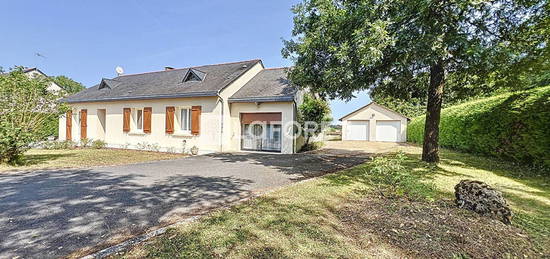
(357, 130)
(388, 130)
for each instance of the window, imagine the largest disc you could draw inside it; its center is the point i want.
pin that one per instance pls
(185, 119)
(139, 119)
(193, 75)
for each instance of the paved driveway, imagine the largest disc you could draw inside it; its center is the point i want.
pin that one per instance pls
(53, 213)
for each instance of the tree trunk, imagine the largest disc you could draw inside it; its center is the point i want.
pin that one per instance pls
(430, 150)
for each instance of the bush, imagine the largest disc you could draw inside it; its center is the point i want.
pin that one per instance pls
(85, 142)
(513, 126)
(391, 178)
(27, 113)
(98, 144)
(311, 146)
(67, 144)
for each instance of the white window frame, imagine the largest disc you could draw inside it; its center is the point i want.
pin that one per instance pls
(134, 125)
(179, 122)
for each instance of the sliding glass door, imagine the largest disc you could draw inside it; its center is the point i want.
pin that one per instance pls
(261, 137)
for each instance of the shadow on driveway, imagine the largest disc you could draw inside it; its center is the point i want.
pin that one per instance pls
(52, 213)
(298, 166)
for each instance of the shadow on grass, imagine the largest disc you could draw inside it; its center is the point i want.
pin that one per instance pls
(527, 189)
(267, 227)
(31, 160)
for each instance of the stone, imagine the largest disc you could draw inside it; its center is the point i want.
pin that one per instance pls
(480, 197)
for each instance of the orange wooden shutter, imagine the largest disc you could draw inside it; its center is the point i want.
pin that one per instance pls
(196, 120)
(83, 123)
(170, 119)
(69, 128)
(147, 111)
(126, 119)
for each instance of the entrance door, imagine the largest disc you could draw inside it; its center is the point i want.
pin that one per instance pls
(261, 131)
(261, 137)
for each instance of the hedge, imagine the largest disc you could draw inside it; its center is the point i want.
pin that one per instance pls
(513, 126)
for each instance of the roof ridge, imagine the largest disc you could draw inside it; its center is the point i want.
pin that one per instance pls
(218, 64)
(275, 68)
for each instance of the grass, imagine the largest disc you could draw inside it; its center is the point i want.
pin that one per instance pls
(526, 189)
(318, 218)
(36, 159)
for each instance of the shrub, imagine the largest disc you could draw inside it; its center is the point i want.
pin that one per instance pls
(311, 146)
(391, 178)
(143, 145)
(513, 126)
(67, 144)
(98, 144)
(154, 147)
(27, 112)
(85, 142)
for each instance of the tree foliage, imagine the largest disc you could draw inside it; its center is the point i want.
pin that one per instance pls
(313, 115)
(70, 86)
(406, 48)
(512, 126)
(26, 108)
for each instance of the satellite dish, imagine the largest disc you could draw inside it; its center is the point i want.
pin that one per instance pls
(119, 70)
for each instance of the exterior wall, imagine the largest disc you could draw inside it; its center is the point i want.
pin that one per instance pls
(228, 92)
(287, 114)
(372, 113)
(207, 141)
(214, 110)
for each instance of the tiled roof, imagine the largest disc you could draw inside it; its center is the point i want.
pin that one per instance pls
(165, 84)
(268, 85)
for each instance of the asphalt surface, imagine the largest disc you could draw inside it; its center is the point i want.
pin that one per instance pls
(48, 214)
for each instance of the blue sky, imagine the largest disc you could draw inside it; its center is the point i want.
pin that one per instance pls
(86, 40)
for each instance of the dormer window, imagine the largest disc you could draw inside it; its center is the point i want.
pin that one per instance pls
(103, 84)
(193, 75)
(108, 83)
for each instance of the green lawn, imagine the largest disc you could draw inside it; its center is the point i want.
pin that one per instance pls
(344, 215)
(77, 158)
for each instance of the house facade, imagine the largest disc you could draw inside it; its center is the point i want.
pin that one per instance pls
(216, 108)
(374, 122)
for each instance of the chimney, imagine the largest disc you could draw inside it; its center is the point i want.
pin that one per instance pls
(168, 68)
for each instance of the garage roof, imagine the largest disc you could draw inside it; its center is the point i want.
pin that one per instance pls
(373, 103)
(269, 85)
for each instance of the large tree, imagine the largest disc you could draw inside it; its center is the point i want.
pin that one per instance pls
(26, 108)
(70, 86)
(340, 47)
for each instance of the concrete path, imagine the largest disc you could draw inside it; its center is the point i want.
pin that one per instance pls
(48, 214)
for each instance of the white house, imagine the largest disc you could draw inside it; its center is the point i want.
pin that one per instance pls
(35, 72)
(216, 108)
(374, 122)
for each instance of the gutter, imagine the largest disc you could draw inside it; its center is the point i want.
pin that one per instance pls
(221, 121)
(144, 97)
(262, 99)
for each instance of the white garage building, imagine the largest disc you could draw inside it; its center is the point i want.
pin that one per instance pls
(374, 122)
